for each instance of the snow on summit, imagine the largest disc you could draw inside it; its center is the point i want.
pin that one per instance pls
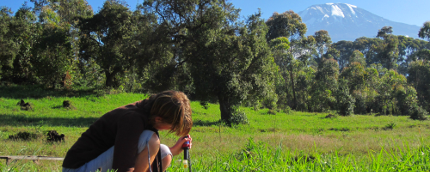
(351, 7)
(336, 11)
(347, 22)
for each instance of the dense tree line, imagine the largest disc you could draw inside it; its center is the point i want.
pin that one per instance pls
(206, 50)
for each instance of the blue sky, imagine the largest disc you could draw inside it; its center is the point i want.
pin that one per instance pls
(414, 12)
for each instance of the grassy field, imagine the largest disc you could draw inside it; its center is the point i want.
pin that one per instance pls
(296, 141)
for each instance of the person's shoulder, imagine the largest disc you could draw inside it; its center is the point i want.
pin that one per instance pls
(129, 108)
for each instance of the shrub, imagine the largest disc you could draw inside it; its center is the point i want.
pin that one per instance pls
(239, 117)
(331, 116)
(271, 112)
(345, 101)
(287, 109)
(418, 113)
(389, 126)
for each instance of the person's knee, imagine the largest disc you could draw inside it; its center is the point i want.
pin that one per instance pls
(165, 151)
(166, 155)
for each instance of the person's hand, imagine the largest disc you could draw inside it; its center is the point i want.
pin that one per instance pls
(177, 148)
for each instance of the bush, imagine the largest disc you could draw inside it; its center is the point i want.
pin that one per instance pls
(418, 113)
(287, 109)
(271, 112)
(239, 117)
(345, 101)
(331, 116)
(389, 126)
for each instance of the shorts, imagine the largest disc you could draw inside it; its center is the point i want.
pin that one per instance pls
(105, 160)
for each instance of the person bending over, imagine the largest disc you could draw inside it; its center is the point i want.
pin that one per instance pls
(126, 138)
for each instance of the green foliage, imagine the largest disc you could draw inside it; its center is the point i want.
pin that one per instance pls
(105, 39)
(390, 126)
(388, 51)
(345, 101)
(322, 43)
(272, 112)
(52, 51)
(418, 113)
(227, 59)
(17, 67)
(287, 24)
(425, 31)
(419, 72)
(326, 84)
(238, 117)
(6, 42)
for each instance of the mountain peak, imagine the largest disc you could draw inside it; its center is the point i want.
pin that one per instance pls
(347, 22)
(335, 10)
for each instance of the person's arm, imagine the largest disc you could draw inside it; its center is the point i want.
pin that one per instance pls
(130, 126)
(177, 148)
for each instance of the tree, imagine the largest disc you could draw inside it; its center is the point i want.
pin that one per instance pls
(407, 49)
(228, 60)
(419, 72)
(369, 48)
(325, 86)
(236, 67)
(345, 101)
(23, 31)
(104, 39)
(345, 49)
(6, 42)
(288, 24)
(425, 31)
(302, 73)
(358, 57)
(52, 52)
(159, 58)
(323, 43)
(388, 51)
(354, 79)
(390, 83)
(284, 60)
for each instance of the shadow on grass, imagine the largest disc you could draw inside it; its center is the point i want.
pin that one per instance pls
(205, 123)
(22, 120)
(34, 91)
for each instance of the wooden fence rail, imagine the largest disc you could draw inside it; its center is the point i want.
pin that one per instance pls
(34, 158)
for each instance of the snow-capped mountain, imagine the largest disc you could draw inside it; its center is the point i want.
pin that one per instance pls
(349, 22)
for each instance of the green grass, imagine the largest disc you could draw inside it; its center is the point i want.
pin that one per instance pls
(297, 141)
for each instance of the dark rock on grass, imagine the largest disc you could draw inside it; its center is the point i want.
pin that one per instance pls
(25, 106)
(53, 136)
(23, 136)
(330, 116)
(20, 103)
(68, 104)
